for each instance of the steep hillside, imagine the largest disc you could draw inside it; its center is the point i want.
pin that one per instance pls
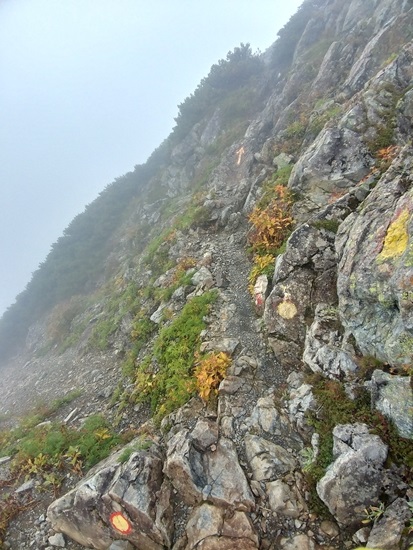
(234, 318)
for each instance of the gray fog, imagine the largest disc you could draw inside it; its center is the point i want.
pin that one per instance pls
(89, 88)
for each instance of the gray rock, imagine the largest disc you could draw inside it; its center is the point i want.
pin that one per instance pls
(285, 500)
(157, 315)
(298, 542)
(393, 396)
(204, 434)
(215, 475)
(266, 416)
(135, 490)
(211, 528)
(375, 268)
(304, 276)
(226, 345)
(271, 422)
(179, 294)
(57, 540)
(336, 160)
(301, 400)
(230, 385)
(27, 486)
(361, 536)
(353, 481)
(322, 352)
(203, 278)
(268, 461)
(282, 160)
(387, 531)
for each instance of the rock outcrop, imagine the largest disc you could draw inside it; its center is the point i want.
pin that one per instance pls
(128, 501)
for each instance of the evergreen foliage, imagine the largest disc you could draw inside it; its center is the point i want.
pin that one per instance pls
(75, 262)
(290, 34)
(229, 76)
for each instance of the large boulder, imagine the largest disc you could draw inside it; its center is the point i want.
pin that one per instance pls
(353, 481)
(304, 275)
(128, 501)
(214, 475)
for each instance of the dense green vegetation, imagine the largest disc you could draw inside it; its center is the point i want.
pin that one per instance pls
(37, 447)
(290, 34)
(75, 263)
(228, 86)
(166, 379)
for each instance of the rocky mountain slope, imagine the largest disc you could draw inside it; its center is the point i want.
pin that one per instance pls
(248, 339)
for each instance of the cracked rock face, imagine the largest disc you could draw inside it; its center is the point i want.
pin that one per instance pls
(336, 161)
(212, 528)
(215, 475)
(268, 461)
(393, 396)
(375, 270)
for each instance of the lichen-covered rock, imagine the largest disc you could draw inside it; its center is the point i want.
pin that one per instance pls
(393, 396)
(375, 272)
(353, 481)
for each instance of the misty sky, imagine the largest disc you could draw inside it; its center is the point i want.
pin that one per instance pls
(89, 88)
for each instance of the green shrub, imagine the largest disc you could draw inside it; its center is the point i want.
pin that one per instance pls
(95, 440)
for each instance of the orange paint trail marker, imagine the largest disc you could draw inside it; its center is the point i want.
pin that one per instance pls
(120, 523)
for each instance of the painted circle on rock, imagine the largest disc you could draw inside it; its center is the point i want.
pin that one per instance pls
(120, 523)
